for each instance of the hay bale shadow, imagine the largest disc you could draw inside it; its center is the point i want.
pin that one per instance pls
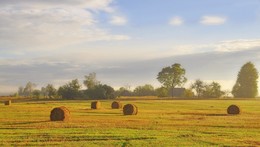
(192, 113)
(205, 114)
(30, 122)
(217, 115)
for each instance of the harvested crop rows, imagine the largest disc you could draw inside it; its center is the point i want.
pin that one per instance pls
(158, 122)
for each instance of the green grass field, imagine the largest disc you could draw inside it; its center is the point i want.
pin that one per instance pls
(158, 123)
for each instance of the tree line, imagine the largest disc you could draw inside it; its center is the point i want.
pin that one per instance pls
(170, 77)
(245, 86)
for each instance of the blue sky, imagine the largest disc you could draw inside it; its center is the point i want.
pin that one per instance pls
(125, 42)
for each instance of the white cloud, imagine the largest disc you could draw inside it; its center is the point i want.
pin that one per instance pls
(59, 67)
(237, 45)
(222, 46)
(213, 20)
(89, 4)
(189, 49)
(176, 21)
(118, 20)
(49, 23)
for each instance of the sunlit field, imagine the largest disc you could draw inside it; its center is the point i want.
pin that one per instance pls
(158, 123)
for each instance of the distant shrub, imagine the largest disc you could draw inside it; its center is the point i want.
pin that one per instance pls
(70, 90)
(100, 92)
(145, 90)
(162, 92)
(188, 93)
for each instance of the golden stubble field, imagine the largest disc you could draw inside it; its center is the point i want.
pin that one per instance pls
(158, 123)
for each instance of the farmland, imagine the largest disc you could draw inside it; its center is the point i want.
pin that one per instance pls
(158, 123)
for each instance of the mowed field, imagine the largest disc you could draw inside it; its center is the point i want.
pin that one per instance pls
(158, 123)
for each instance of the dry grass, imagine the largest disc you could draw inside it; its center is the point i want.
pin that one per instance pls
(158, 123)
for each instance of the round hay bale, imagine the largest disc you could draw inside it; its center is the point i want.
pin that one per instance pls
(116, 105)
(9, 102)
(130, 109)
(233, 109)
(65, 108)
(96, 105)
(60, 114)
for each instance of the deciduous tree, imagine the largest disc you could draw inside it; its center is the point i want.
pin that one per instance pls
(198, 85)
(213, 90)
(101, 92)
(162, 92)
(70, 90)
(51, 91)
(29, 89)
(172, 76)
(91, 80)
(145, 90)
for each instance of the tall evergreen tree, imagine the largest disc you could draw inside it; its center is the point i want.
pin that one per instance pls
(246, 84)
